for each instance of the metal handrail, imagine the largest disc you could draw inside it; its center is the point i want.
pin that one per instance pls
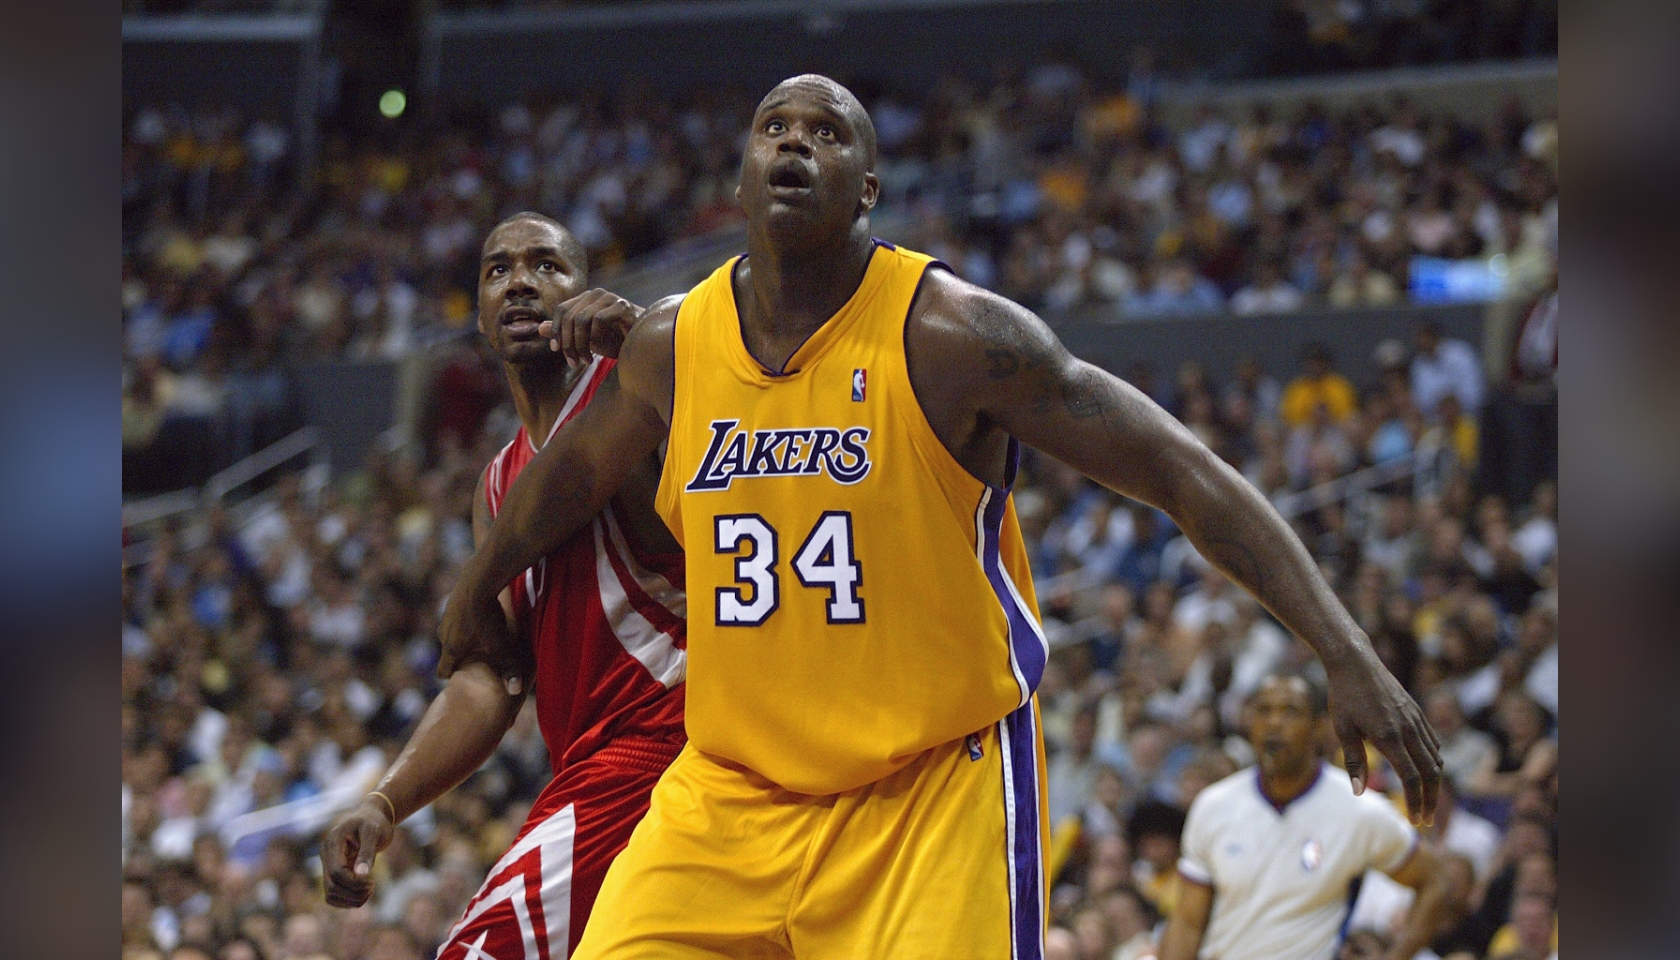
(221, 483)
(233, 477)
(309, 815)
(1350, 485)
(139, 513)
(1289, 505)
(295, 817)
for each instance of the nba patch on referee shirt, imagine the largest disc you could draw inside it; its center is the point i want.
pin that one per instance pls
(860, 383)
(1312, 854)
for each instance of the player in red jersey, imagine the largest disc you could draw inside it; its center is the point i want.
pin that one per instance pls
(603, 620)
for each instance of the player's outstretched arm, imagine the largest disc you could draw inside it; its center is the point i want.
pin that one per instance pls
(562, 488)
(456, 735)
(1017, 376)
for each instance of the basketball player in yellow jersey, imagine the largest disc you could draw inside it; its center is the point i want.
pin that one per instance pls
(863, 771)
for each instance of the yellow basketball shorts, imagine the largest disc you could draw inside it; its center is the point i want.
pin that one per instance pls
(942, 859)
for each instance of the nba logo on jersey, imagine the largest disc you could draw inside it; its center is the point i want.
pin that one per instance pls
(860, 381)
(973, 744)
(1312, 854)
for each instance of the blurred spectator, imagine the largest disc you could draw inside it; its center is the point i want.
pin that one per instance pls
(1175, 290)
(1537, 539)
(1318, 386)
(1132, 921)
(1537, 656)
(1532, 931)
(1526, 756)
(1253, 392)
(1319, 449)
(1061, 944)
(1153, 834)
(1441, 367)
(1453, 433)
(1465, 751)
(1464, 833)
(1520, 419)
(1269, 293)
(1072, 773)
(1359, 285)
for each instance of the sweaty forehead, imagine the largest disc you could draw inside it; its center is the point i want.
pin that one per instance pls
(820, 91)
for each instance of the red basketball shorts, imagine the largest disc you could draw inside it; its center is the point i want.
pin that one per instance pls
(537, 897)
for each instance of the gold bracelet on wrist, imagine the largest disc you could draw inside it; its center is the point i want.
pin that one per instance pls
(389, 805)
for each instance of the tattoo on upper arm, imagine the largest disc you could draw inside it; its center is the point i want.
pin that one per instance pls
(1005, 363)
(1009, 346)
(1082, 396)
(1014, 348)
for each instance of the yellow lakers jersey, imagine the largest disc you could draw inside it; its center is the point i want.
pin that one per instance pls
(855, 596)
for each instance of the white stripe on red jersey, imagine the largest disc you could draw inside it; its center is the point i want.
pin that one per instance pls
(535, 871)
(606, 626)
(623, 583)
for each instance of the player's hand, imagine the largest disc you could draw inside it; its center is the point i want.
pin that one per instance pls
(349, 848)
(475, 628)
(1367, 703)
(594, 321)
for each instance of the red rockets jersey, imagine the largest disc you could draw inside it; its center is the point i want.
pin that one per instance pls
(605, 622)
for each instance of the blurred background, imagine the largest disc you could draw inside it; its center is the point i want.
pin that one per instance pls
(1323, 234)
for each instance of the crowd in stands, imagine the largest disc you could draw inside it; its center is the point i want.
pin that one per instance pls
(1038, 184)
(1154, 654)
(1060, 196)
(286, 656)
(282, 656)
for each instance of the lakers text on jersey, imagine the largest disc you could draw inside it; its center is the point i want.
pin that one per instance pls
(856, 596)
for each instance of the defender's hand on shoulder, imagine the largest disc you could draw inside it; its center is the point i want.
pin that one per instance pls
(593, 322)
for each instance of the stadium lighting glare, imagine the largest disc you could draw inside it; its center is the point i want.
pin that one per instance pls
(392, 103)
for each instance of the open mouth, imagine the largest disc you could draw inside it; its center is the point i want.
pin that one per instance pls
(789, 178)
(521, 321)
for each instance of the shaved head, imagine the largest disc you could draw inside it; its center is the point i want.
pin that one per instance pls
(844, 101)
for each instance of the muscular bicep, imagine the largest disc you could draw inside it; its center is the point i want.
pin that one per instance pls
(647, 360)
(1106, 429)
(1027, 383)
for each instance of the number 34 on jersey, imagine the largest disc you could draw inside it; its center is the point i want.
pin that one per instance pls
(825, 560)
